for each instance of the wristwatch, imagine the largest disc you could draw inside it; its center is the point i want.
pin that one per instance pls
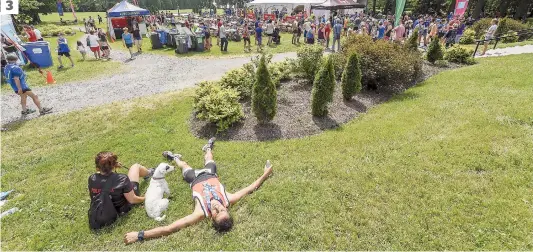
(140, 236)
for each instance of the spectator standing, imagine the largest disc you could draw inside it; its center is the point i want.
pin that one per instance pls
(92, 42)
(269, 31)
(63, 50)
(127, 40)
(259, 37)
(294, 31)
(327, 33)
(490, 35)
(337, 30)
(223, 39)
(137, 39)
(99, 19)
(38, 34)
(246, 38)
(30, 34)
(16, 77)
(399, 32)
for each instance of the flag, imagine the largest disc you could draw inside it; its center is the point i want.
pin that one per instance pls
(73, 12)
(460, 7)
(400, 4)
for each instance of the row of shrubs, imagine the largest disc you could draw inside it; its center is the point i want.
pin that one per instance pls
(362, 63)
(54, 30)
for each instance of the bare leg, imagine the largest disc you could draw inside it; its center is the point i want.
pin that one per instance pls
(60, 61)
(71, 61)
(485, 48)
(208, 155)
(137, 171)
(34, 98)
(23, 101)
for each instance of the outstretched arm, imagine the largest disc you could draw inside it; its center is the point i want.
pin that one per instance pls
(234, 198)
(182, 223)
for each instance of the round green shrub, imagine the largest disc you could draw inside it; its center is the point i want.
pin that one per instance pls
(383, 64)
(351, 77)
(240, 80)
(468, 37)
(309, 58)
(458, 55)
(218, 105)
(264, 94)
(323, 89)
(441, 63)
(413, 42)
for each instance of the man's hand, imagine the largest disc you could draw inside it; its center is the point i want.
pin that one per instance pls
(131, 237)
(268, 168)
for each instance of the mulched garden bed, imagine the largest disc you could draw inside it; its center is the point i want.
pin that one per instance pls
(294, 119)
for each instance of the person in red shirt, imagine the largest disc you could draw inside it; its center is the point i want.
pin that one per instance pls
(327, 32)
(219, 23)
(30, 34)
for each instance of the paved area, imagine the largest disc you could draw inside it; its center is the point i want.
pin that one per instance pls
(507, 51)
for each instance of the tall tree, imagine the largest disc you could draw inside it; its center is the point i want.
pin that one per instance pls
(521, 10)
(479, 7)
(504, 6)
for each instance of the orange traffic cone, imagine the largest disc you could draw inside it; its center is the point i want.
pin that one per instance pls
(50, 78)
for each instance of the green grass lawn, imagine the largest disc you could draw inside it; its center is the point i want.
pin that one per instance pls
(83, 70)
(444, 166)
(54, 17)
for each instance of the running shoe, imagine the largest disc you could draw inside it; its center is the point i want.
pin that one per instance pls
(210, 144)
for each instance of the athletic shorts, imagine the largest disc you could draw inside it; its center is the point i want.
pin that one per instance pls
(95, 49)
(64, 54)
(24, 90)
(136, 188)
(259, 40)
(190, 175)
(247, 39)
(104, 48)
(137, 38)
(129, 45)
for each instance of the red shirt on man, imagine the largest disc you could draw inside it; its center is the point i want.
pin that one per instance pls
(31, 36)
(327, 31)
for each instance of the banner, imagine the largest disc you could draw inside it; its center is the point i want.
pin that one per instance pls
(60, 7)
(460, 7)
(269, 17)
(400, 4)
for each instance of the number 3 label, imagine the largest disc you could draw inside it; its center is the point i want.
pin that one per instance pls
(9, 7)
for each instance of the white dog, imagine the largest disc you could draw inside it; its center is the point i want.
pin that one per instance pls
(154, 203)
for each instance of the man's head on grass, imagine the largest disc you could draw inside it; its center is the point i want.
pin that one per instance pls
(222, 221)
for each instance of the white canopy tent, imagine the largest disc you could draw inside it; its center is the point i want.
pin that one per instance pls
(279, 4)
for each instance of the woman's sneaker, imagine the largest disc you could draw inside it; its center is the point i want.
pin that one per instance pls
(27, 111)
(45, 111)
(210, 144)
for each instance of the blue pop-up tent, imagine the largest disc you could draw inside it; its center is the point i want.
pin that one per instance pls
(125, 9)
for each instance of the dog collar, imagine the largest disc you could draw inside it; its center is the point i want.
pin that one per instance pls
(157, 178)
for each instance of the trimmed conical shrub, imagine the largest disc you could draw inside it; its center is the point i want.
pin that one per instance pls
(435, 51)
(264, 94)
(323, 88)
(351, 77)
(413, 42)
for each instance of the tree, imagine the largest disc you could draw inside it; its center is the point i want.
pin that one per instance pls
(479, 7)
(435, 51)
(264, 94)
(351, 77)
(323, 88)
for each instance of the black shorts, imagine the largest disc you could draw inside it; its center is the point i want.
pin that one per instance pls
(64, 54)
(129, 45)
(24, 90)
(247, 39)
(104, 48)
(136, 188)
(190, 175)
(346, 29)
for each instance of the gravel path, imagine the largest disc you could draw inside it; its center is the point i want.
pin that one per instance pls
(506, 51)
(147, 74)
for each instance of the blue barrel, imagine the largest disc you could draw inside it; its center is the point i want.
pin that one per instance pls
(162, 36)
(39, 53)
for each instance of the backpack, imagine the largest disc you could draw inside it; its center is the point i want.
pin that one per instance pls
(102, 211)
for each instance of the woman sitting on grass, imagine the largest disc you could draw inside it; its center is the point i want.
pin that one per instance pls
(124, 190)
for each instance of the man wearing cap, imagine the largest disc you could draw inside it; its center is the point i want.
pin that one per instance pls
(16, 77)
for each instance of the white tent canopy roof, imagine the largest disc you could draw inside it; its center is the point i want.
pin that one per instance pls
(295, 2)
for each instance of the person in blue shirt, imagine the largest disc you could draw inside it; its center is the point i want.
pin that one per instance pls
(259, 37)
(127, 39)
(16, 77)
(337, 29)
(63, 50)
(310, 37)
(381, 30)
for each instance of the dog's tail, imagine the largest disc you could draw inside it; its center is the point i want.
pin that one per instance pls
(160, 218)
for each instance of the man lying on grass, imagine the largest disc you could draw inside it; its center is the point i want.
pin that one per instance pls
(210, 197)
